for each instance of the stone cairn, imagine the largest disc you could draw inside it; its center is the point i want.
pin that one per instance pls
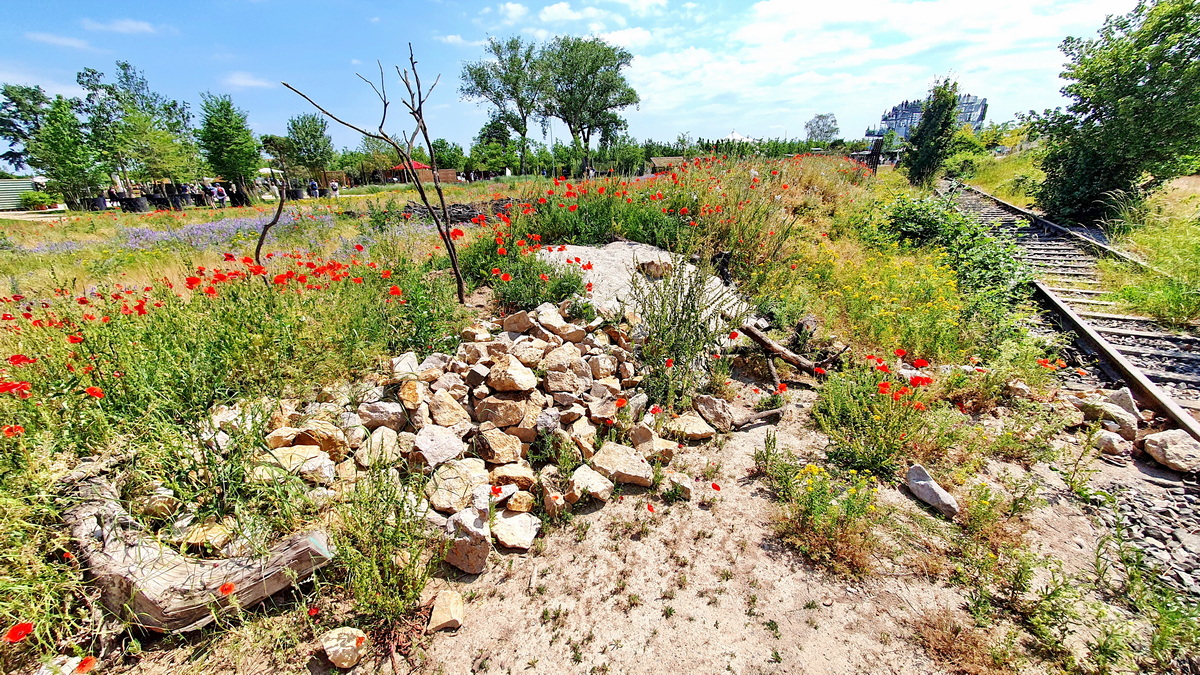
(468, 421)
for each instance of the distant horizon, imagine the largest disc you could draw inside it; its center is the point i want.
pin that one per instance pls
(701, 68)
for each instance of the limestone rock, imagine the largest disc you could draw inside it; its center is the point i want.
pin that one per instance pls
(561, 381)
(384, 447)
(554, 502)
(405, 366)
(927, 490)
(413, 393)
(159, 502)
(603, 366)
(521, 501)
(448, 611)
(561, 358)
(452, 485)
(518, 322)
(470, 541)
(602, 409)
(509, 374)
(310, 462)
(433, 367)
(1175, 449)
(622, 464)
(572, 412)
(585, 482)
(503, 410)
(344, 646)
(498, 447)
(486, 496)
(436, 444)
(281, 437)
(678, 481)
(689, 426)
(1099, 410)
(327, 436)
(446, 411)
(516, 529)
(641, 433)
(519, 474)
(715, 411)
(383, 414)
(453, 384)
(658, 450)
(475, 333)
(1110, 443)
(637, 405)
(584, 435)
(656, 269)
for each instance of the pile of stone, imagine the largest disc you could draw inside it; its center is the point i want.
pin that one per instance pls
(469, 419)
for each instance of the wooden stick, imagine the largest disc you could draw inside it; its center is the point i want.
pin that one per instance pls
(747, 421)
(771, 367)
(773, 347)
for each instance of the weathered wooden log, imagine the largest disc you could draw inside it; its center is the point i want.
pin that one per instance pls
(751, 419)
(776, 349)
(149, 584)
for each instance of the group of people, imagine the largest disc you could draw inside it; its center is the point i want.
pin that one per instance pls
(314, 189)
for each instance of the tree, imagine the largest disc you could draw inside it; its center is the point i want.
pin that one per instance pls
(511, 82)
(891, 141)
(228, 143)
(311, 143)
(449, 155)
(822, 128)
(582, 85)
(1134, 118)
(22, 109)
(929, 144)
(61, 151)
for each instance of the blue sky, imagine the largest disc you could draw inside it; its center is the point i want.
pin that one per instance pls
(704, 67)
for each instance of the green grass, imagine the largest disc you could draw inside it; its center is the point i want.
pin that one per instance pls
(1011, 178)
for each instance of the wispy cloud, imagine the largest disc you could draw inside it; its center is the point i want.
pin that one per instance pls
(243, 80)
(126, 26)
(512, 12)
(374, 19)
(59, 40)
(457, 41)
(561, 12)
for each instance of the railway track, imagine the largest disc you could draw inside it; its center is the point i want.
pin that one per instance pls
(1159, 364)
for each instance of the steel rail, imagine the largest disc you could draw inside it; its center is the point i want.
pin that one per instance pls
(1145, 390)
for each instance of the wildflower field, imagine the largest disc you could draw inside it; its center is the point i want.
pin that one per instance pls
(123, 334)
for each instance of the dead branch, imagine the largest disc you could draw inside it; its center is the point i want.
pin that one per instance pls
(771, 367)
(751, 419)
(262, 236)
(774, 348)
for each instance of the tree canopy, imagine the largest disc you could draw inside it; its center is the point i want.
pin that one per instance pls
(583, 86)
(311, 144)
(22, 109)
(60, 150)
(510, 81)
(822, 128)
(1134, 118)
(930, 142)
(228, 143)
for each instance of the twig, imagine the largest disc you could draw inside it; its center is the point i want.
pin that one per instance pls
(771, 367)
(262, 236)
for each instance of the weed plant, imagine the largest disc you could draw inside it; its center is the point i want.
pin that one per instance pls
(519, 277)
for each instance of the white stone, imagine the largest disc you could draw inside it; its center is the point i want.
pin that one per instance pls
(446, 411)
(383, 414)
(622, 464)
(470, 541)
(509, 374)
(689, 426)
(499, 447)
(1175, 449)
(437, 444)
(519, 474)
(448, 611)
(515, 529)
(586, 482)
(453, 484)
(927, 490)
(344, 646)
(405, 365)
(715, 411)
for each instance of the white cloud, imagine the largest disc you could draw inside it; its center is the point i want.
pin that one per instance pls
(355, 62)
(562, 12)
(243, 80)
(512, 11)
(374, 19)
(127, 26)
(457, 41)
(49, 85)
(644, 7)
(59, 40)
(630, 38)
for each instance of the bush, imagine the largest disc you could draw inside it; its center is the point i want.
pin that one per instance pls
(963, 165)
(519, 277)
(34, 199)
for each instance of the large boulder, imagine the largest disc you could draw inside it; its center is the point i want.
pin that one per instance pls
(927, 490)
(452, 485)
(470, 541)
(689, 427)
(515, 529)
(509, 374)
(1175, 449)
(622, 464)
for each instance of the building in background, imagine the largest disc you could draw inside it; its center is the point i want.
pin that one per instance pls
(903, 118)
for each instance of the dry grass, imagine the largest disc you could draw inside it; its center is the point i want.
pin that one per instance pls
(957, 647)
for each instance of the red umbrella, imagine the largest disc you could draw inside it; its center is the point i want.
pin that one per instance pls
(415, 165)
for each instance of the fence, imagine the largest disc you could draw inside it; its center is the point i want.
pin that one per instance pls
(10, 192)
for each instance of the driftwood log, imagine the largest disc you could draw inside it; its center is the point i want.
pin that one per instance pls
(149, 584)
(751, 419)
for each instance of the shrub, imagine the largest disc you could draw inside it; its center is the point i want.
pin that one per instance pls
(519, 277)
(34, 199)
(963, 165)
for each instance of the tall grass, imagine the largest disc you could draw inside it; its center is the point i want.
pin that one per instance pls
(1013, 178)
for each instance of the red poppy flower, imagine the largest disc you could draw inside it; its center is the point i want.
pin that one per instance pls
(227, 588)
(716, 487)
(900, 352)
(650, 508)
(18, 632)
(544, 277)
(358, 247)
(96, 392)
(502, 251)
(733, 335)
(920, 363)
(1081, 371)
(819, 370)
(20, 360)
(506, 277)
(621, 403)
(210, 291)
(496, 490)
(313, 611)
(192, 282)
(457, 233)
(917, 405)
(654, 410)
(13, 430)
(782, 388)
(74, 339)
(670, 363)
(86, 665)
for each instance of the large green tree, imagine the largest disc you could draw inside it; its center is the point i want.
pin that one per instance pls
(449, 155)
(1134, 118)
(228, 143)
(822, 128)
(929, 144)
(309, 134)
(22, 109)
(510, 81)
(60, 150)
(583, 86)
